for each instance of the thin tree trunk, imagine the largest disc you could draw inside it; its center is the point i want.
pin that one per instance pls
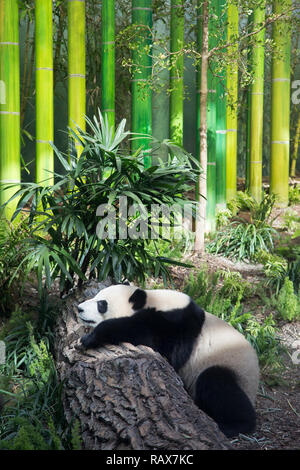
(141, 116)
(177, 72)
(44, 91)
(280, 125)
(202, 183)
(76, 66)
(10, 168)
(126, 397)
(232, 86)
(108, 61)
(257, 105)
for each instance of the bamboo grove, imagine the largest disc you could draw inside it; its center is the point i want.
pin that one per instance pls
(217, 89)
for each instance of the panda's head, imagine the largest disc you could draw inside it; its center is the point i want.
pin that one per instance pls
(124, 300)
(112, 302)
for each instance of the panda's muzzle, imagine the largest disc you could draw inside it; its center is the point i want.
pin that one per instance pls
(83, 319)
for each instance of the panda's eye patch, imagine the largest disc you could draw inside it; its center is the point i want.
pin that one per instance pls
(102, 306)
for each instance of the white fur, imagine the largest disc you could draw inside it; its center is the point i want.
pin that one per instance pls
(117, 300)
(219, 344)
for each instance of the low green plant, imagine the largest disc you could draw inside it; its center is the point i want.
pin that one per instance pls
(259, 211)
(172, 248)
(29, 436)
(291, 221)
(290, 251)
(12, 254)
(294, 194)
(201, 286)
(69, 242)
(275, 269)
(294, 272)
(288, 304)
(234, 286)
(223, 218)
(32, 417)
(242, 239)
(264, 338)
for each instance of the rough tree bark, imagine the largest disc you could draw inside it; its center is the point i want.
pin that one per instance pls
(126, 397)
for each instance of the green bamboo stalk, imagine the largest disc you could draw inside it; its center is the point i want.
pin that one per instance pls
(211, 123)
(141, 115)
(257, 104)
(296, 147)
(9, 101)
(177, 72)
(44, 91)
(198, 85)
(76, 65)
(108, 61)
(221, 130)
(232, 87)
(280, 124)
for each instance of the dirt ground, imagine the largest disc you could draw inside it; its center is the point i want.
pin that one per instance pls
(278, 406)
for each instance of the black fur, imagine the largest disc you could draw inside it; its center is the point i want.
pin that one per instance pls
(138, 299)
(173, 334)
(219, 395)
(102, 306)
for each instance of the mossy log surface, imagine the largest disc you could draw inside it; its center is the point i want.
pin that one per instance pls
(126, 397)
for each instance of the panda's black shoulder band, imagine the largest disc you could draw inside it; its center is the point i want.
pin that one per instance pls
(138, 299)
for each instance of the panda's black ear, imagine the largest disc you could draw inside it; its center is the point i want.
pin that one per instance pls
(138, 299)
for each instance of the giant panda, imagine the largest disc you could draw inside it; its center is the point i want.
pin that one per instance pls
(217, 364)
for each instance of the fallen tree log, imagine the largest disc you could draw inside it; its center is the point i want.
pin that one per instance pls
(126, 397)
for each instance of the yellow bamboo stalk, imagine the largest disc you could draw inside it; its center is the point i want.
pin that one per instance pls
(280, 125)
(44, 91)
(76, 66)
(232, 87)
(257, 104)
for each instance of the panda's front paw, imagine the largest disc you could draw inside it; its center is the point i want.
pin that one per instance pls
(88, 341)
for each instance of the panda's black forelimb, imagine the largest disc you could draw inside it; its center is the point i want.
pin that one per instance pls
(113, 331)
(219, 395)
(171, 333)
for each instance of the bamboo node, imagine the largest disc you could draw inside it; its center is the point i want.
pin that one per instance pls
(281, 79)
(283, 142)
(8, 43)
(16, 113)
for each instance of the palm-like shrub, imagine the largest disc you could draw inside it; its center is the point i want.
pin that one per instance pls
(63, 218)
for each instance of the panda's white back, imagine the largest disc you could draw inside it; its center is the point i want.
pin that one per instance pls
(221, 344)
(166, 299)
